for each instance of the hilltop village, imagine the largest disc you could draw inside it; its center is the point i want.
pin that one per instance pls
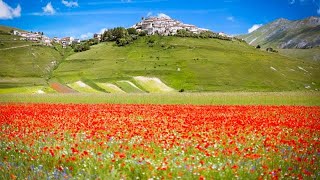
(44, 40)
(164, 26)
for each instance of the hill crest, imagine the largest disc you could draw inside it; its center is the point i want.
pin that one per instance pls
(284, 33)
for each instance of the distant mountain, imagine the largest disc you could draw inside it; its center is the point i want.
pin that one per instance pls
(286, 34)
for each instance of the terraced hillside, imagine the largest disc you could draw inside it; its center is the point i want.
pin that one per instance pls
(188, 64)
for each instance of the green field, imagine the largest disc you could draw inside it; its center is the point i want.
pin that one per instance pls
(225, 98)
(181, 64)
(195, 65)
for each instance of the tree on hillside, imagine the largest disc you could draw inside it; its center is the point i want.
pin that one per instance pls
(107, 36)
(119, 32)
(81, 47)
(132, 31)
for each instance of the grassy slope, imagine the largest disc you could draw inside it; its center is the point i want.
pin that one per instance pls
(27, 66)
(8, 29)
(304, 54)
(7, 40)
(205, 65)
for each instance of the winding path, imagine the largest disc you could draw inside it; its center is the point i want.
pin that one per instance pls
(15, 47)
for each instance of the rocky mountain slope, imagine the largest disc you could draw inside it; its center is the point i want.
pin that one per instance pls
(283, 33)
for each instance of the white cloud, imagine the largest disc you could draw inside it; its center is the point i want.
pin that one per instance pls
(70, 3)
(149, 14)
(86, 35)
(103, 30)
(126, 1)
(7, 12)
(294, 1)
(230, 18)
(316, 2)
(254, 27)
(48, 9)
(162, 15)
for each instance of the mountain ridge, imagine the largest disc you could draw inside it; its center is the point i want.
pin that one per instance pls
(286, 34)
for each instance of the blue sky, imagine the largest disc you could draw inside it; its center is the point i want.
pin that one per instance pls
(80, 18)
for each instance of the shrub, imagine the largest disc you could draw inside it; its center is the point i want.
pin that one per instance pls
(271, 50)
(122, 42)
(81, 47)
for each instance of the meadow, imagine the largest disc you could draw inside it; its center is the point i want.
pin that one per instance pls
(241, 113)
(213, 98)
(195, 65)
(82, 141)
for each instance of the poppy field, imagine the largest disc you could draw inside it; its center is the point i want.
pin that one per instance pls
(116, 141)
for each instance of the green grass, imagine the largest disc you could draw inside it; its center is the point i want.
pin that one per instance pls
(303, 54)
(226, 98)
(82, 87)
(28, 66)
(193, 65)
(26, 90)
(128, 87)
(8, 29)
(111, 88)
(7, 41)
(152, 85)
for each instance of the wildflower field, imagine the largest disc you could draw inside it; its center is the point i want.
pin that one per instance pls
(116, 141)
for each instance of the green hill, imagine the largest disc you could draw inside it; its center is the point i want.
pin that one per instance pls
(24, 63)
(7, 40)
(191, 64)
(8, 29)
(27, 66)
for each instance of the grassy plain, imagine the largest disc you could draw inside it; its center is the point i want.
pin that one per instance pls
(218, 98)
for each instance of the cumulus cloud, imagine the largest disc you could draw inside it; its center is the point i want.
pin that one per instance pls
(162, 15)
(149, 14)
(230, 18)
(316, 2)
(48, 9)
(254, 27)
(86, 35)
(318, 5)
(70, 3)
(301, 1)
(294, 1)
(7, 12)
(103, 30)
